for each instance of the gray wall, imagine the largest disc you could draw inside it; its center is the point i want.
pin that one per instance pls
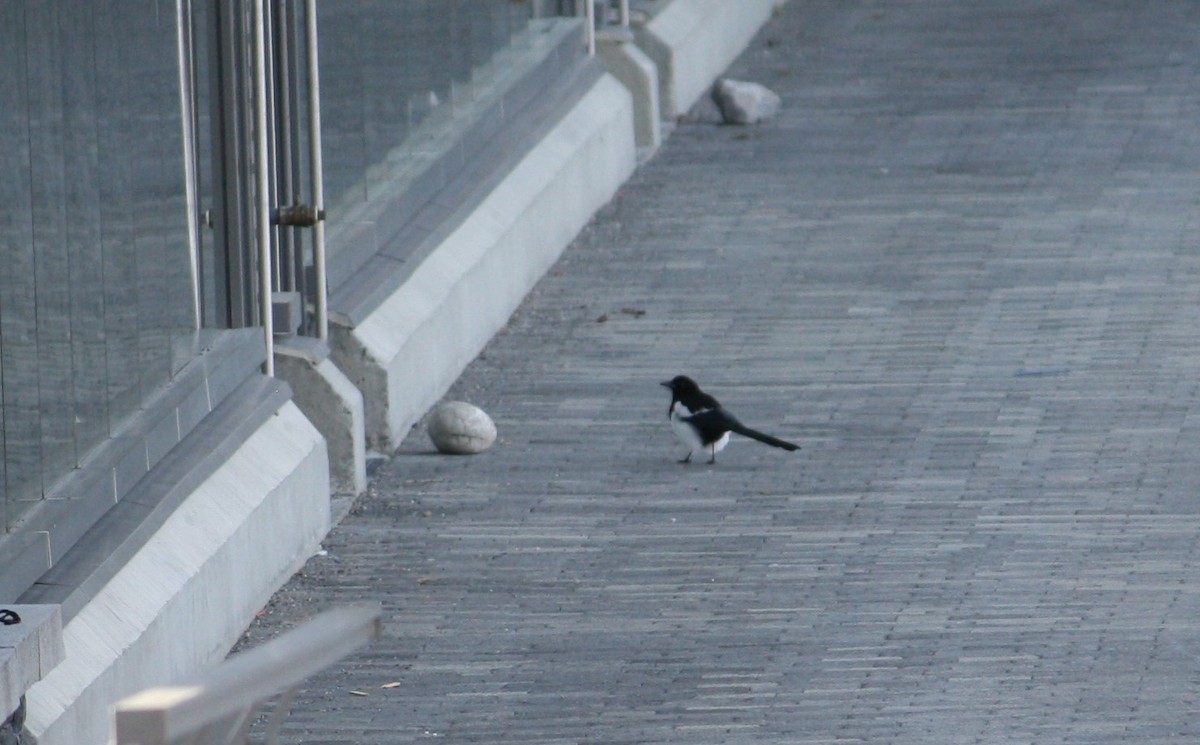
(96, 290)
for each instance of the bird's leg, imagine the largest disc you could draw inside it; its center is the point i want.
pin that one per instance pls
(713, 460)
(687, 458)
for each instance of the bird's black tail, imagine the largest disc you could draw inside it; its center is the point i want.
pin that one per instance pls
(742, 429)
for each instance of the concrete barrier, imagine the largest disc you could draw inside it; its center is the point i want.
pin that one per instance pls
(693, 41)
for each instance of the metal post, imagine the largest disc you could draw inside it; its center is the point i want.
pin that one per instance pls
(321, 299)
(262, 190)
(625, 13)
(589, 11)
(183, 21)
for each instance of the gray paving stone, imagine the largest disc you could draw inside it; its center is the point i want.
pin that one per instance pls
(958, 268)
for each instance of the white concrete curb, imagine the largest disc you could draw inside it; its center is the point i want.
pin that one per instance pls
(182, 601)
(407, 353)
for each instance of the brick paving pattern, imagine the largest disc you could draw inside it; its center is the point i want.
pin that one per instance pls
(961, 270)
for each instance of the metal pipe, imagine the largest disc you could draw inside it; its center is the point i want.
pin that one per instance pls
(625, 13)
(589, 11)
(262, 190)
(321, 294)
(183, 21)
(283, 132)
(276, 171)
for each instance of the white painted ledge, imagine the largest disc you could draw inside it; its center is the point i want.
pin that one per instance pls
(183, 600)
(406, 354)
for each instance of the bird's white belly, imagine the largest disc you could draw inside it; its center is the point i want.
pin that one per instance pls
(687, 435)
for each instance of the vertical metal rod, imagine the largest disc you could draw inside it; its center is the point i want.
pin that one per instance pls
(283, 134)
(282, 707)
(262, 189)
(321, 299)
(275, 169)
(183, 21)
(625, 13)
(589, 10)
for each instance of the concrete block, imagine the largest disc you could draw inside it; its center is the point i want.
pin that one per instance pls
(28, 651)
(182, 600)
(639, 74)
(405, 355)
(694, 41)
(332, 403)
(286, 313)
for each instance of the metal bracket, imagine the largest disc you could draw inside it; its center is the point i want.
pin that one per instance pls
(298, 215)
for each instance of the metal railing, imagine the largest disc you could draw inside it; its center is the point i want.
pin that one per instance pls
(218, 707)
(587, 8)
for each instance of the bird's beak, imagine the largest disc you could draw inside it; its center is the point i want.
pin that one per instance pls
(665, 384)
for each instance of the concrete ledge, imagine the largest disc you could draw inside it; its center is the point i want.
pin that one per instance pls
(182, 600)
(405, 355)
(638, 73)
(220, 362)
(694, 41)
(29, 650)
(332, 404)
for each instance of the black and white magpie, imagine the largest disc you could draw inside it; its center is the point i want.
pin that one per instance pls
(701, 424)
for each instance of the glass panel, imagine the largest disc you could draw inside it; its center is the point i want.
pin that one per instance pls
(84, 209)
(201, 72)
(343, 68)
(18, 313)
(118, 250)
(391, 72)
(51, 275)
(93, 229)
(151, 76)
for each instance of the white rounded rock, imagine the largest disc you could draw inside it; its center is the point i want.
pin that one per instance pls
(742, 102)
(459, 428)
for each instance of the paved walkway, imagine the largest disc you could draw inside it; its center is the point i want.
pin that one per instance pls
(962, 270)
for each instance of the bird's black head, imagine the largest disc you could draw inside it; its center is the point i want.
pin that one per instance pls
(681, 384)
